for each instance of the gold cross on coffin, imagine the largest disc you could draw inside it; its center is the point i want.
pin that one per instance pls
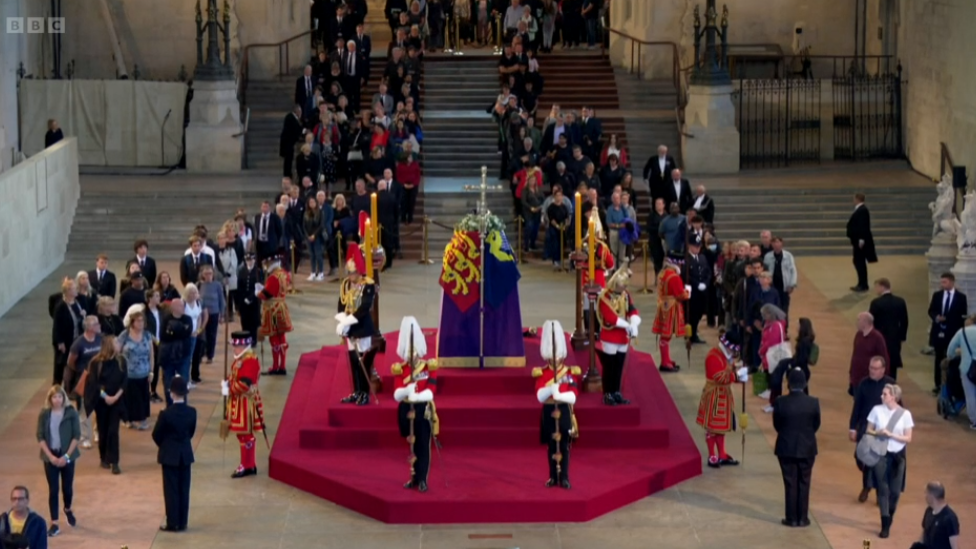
(483, 188)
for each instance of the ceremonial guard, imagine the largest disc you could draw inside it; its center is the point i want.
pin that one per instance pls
(556, 387)
(275, 319)
(670, 318)
(619, 320)
(716, 409)
(244, 412)
(415, 381)
(603, 258)
(249, 275)
(355, 320)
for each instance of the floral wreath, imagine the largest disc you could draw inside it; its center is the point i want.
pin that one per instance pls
(472, 223)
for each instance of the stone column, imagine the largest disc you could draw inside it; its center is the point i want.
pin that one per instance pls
(214, 120)
(713, 145)
(965, 271)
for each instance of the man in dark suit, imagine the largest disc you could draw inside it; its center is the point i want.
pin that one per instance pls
(656, 173)
(305, 91)
(341, 26)
(862, 242)
(363, 42)
(700, 280)
(703, 204)
(291, 132)
(592, 130)
(101, 279)
(947, 309)
(891, 319)
(294, 229)
(677, 190)
(135, 294)
(355, 70)
(796, 418)
(190, 263)
(147, 265)
(267, 232)
(173, 434)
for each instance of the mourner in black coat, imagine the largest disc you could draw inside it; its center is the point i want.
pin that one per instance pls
(173, 434)
(947, 309)
(891, 319)
(291, 133)
(862, 242)
(796, 418)
(657, 171)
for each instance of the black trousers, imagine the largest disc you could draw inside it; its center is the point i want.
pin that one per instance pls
(65, 476)
(251, 318)
(713, 307)
(176, 495)
(941, 347)
(289, 159)
(60, 362)
(796, 482)
(409, 204)
(861, 266)
(360, 370)
(155, 376)
(198, 351)
(107, 418)
(613, 371)
(388, 242)
(696, 310)
(213, 324)
(422, 439)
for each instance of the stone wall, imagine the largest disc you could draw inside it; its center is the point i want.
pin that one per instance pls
(159, 35)
(15, 49)
(38, 198)
(936, 44)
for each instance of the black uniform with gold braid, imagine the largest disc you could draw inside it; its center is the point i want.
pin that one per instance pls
(557, 387)
(415, 382)
(356, 295)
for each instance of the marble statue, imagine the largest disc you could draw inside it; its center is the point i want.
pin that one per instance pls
(966, 236)
(943, 214)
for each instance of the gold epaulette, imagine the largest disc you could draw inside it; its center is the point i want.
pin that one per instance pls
(536, 372)
(367, 280)
(396, 369)
(576, 370)
(432, 365)
(249, 354)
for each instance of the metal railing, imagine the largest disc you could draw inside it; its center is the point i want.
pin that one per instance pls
(284, 61)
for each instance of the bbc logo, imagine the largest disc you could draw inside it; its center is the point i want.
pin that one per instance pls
(35, 25)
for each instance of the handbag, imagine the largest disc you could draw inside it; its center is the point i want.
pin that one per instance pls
(760, 382)
(871, 448)
(780, 351)
(971, 374)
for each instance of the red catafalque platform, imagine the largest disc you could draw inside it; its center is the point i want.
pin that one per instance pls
(491, 468)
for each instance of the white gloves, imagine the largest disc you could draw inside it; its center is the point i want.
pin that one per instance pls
(742, 374)
(423, 396)
(258, 288)
(224, 388)
(634, 323)
(345, 321)
(701, 287)
(688, 289)
(622, 323)
(544, 393)
(567, 397)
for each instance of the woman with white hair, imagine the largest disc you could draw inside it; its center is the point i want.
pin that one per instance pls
(892, 423)
(774, 345)
(86, 294)
(193, 308)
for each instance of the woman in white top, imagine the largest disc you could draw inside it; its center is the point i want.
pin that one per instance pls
(198, 314)
(889, 472)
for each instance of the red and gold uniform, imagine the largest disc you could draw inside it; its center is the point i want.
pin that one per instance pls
(670, 318)
(275, 318)
(619, 320)
(244, 411)
(567, 379)
(716, 409)
(604, 263)
(415, 382)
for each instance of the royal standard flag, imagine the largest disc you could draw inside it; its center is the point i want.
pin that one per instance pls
(501, 270)
(461, 269)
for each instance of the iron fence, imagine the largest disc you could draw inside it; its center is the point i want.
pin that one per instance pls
(868, 116)
(778, 122)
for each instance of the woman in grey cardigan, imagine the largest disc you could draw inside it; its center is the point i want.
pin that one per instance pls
(58, 435)
(780, 264)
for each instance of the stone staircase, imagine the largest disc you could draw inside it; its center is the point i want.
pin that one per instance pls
(813, 222)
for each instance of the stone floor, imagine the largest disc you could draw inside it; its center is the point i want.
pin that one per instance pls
(731, 508)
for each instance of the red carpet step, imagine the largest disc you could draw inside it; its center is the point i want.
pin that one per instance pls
(491, 468)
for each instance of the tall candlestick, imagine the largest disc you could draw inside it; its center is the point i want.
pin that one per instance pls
(579, 222)
(373, 218)
(368, 245)
(592, 246)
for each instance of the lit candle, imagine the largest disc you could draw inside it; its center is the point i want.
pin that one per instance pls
(373, 217)
(579, 222)
(592, 245)
(368, 245)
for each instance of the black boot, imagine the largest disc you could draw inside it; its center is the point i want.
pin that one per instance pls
(565, 483)
(885, 527)
(619, 398)
(410, 484)
(550, 483)
(609, 400)
(422, 486)
(363, 399)
(351, 399)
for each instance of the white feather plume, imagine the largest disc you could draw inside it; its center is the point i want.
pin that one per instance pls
(407, 326)
(550, 328)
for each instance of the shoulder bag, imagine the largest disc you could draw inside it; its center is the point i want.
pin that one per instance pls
(871, 448)
(971, 374)
(780, 351)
